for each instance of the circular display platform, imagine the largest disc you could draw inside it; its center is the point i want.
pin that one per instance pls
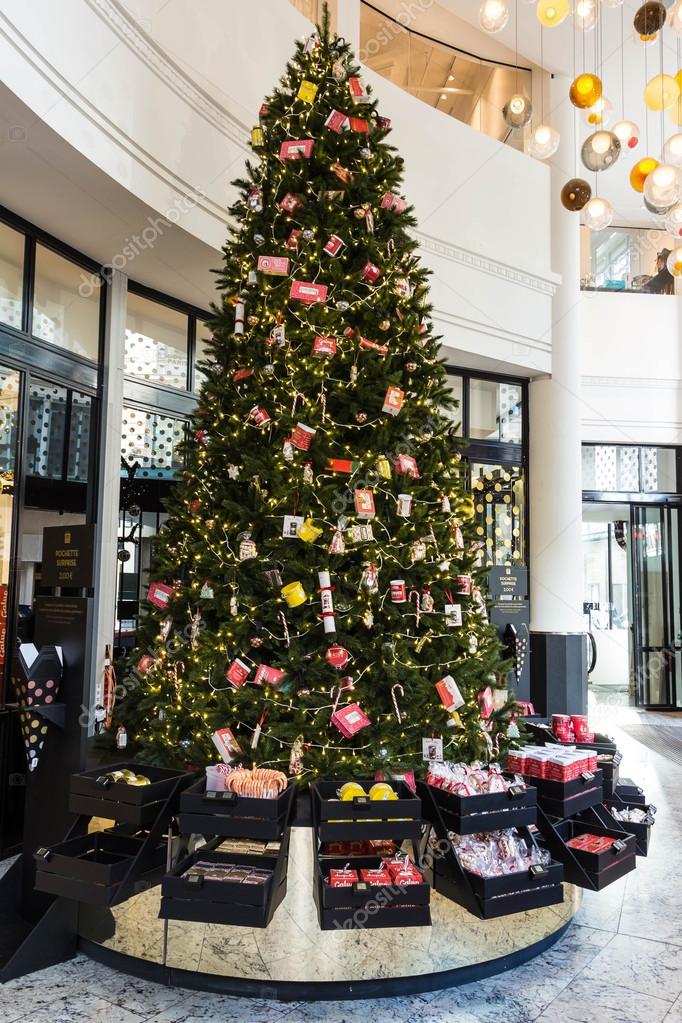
(294, 959)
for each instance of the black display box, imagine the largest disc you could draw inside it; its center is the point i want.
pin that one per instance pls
(566, 798)
(93, 794)
(602, 743)
(629, 792)
(595, 870)
(230, 815)
(641, 831)
(225, 902)
(369, 906)
(610, 770)
(364, 818)
(91, 868)
(490, 811)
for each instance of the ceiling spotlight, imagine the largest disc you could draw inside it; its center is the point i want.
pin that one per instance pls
(493, 15)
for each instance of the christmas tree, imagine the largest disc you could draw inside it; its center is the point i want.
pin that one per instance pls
(316, 588)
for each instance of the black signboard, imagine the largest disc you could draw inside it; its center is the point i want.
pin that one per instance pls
(68, 556)
(511, 581)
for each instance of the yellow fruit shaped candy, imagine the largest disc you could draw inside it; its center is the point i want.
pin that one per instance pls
(350, 791)
(382, 791)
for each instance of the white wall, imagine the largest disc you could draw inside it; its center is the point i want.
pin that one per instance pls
(632, 368)
(161, 98)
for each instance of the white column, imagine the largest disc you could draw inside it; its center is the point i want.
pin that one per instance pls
(348, 22)
(556, 562)
(109, 464)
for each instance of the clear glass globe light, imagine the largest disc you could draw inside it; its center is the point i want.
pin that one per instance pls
(493, 15)
(598, 214)
(517, 111)
(672, 150)
(662, 187)
(673, 220)
(600, 150)
(585, 14)
(674, 262)
(543, 142)
(627, 133)
(675, 18)
(600, 113)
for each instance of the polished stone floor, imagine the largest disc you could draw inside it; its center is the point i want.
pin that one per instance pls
(620, 961)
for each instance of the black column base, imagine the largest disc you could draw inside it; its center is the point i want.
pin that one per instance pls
(558, 672)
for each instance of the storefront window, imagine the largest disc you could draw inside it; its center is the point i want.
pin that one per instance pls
(629, 469)
(495, 411)
(156, 343)
(151, 443)
(499, 508)
(66, 305)
(605, 561)
(11, 276)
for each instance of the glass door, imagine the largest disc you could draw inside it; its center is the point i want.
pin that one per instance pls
(656, 569)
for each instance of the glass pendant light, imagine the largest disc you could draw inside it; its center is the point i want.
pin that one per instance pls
(585, 90)
(598, 214)
(600, 150)
(661, 92)
(551, 13)
(585, 14)
(517, 111)
(641, 171)
(672, 150)
(673, 220)
(662, 187)
(544, 142)
(600, 113)
(627, 132)
(674, 262)
(649, 20)
(575, 194)
(493, 15)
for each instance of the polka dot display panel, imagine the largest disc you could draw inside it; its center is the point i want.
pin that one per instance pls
(153, 441)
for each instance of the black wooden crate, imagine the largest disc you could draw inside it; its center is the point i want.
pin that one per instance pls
(375, 912)
(611, 771)
(490, 811)
(600, 869)
(92, 793)
(364, 818)
(358, 895)
(230, 815)
(90, 868)
(513, 893)
(641, 831)
(601, 743)
(225, 902)
(566, 798)
(629, 792)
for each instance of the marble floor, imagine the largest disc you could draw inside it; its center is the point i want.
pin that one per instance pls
(620, 961)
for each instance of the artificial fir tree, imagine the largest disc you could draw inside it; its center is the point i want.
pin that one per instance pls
(318, 570)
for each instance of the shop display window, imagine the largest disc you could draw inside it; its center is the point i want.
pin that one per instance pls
(499, 507)
(156, 343)
(66, 305)
(12, 245)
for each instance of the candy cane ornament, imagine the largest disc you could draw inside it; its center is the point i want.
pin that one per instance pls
(397, 687)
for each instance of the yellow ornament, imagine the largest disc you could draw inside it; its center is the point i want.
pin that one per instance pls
(307, 91)
(257, 137)
(551, 13)
(308, 531)
(641, 171)
(384, 467)
(351, 790)
(382, 791)
(585, 90)
(661, 92)
(294, 594)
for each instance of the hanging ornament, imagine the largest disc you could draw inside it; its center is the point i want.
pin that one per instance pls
(234, 605)
(418, 550)
(627, 132)
(673, 220)
(339, 71)
(337, 656)
(517, 111)
(585, 14)
(473, 643)
(641, 171)
(512, 727)
(674, 262)
(233, 472)
(327, 600)
(259, 239)
(337, 544)
(308, 476)
(600, 150)
(426, 602)
(600, 113)
(288, 449)
(661, 92)
(598, 214)
(397, 688)
(361, 417)
(649, 20)
(247, 547)
(662, 187)
(672, 150)
(368, 618)
(543, 142)
(493, 15)
(255, 738)
(551, 13)
(194, 627)
(296, 756)
(369, 579)
(166, 627)
(585, 90)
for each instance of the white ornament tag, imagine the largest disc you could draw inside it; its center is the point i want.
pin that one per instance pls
(453, 615)
(432, 750)
(291, 525)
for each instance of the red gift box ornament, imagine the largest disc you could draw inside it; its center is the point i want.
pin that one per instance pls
(305, 291)
(324, 346)
(290, 203)
(268, 675)
(336, 121)
(407, 464)
(485, 699)
(350, 720)
(296, 149)
(370, 273)
(278, 265)
(160, 595)
(226, 743)
(357, 90)
(334, 245)
(237, 673)
(393, 202)
(364, 503)
(393, 401)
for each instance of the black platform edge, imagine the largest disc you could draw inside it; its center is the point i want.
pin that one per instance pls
(314, 991)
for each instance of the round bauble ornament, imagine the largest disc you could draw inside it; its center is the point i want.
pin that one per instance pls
(600, 150)
(585, 90)
(256, 641)
(517, 111)
(360, 417)
(385, 325)
(252, 320)
(342, 305)
(135, 511)
(627, 132)
(411, 366)
(575, 194)
(259, 239)
(308, 234)
(269, 369)
(337, 656)
(361, 212)
(641, 171)
(365, 152)
(598, 214)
